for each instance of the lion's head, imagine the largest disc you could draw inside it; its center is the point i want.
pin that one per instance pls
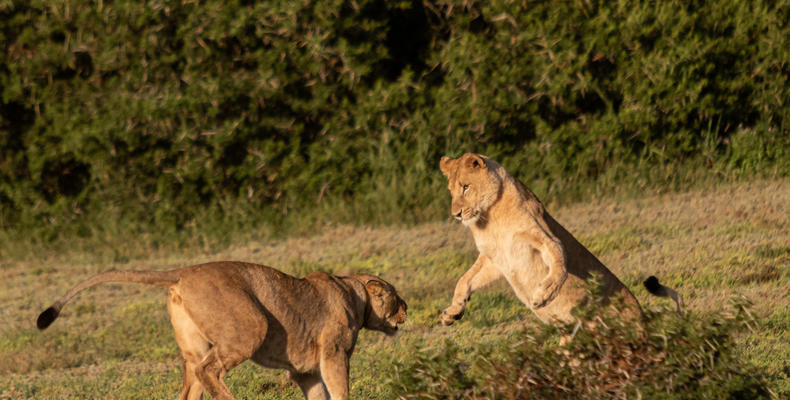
(473, 184)
(385, 308)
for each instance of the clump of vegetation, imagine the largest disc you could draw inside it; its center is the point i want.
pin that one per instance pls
(668, 357)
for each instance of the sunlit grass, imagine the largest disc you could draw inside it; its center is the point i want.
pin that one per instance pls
(115, 340)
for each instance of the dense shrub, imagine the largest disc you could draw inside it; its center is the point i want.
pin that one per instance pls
(673, 357)
(162, 112)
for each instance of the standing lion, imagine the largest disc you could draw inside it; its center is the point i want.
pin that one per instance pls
(224, 313)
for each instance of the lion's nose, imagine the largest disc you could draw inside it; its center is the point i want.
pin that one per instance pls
(457, 215)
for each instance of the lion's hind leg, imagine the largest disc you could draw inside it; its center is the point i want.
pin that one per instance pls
(231, 320)
(192, 388)
(193, 344)
(220, 359)
(210, 372)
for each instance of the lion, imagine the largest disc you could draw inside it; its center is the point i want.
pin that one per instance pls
(224, 313)
(520, 241)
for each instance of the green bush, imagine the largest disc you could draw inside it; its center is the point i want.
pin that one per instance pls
(183, 115)
(672, 357)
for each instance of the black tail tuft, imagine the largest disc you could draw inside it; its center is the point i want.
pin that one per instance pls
(652, 285)
(47, 317)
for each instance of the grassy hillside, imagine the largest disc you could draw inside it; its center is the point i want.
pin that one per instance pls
(114, 341)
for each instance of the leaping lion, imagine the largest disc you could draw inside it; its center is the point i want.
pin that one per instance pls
(224, 313)
(520, 241)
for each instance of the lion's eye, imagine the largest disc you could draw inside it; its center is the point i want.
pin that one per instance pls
(465, 188)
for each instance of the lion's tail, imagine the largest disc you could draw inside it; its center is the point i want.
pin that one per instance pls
(654, 287)
(159, 278)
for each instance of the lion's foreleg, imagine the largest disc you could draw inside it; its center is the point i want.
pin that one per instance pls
(482, 272)
(335, 344)
(334, 372)
(311, 385)
(553, 255)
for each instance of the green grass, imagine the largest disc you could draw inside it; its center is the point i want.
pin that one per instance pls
(114, 341)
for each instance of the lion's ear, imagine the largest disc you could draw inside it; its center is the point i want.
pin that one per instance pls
(444, 165)
(375, 288)
(473, 161)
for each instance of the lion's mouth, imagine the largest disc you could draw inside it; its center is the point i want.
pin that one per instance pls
(391, 328)
(470, 217)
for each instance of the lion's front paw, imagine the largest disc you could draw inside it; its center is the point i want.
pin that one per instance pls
(451, 314)
(545, 294)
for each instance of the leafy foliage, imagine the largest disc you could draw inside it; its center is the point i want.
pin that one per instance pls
(177, 114)
(668, 357)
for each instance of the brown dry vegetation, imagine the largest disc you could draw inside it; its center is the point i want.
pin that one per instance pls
(115, 341)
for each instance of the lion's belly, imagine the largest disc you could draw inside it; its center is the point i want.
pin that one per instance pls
(558, 309)
(280, 353)
(524, 269)
(570, 295)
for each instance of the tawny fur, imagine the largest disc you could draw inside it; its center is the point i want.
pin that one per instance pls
(520, 241)
(224, 313)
